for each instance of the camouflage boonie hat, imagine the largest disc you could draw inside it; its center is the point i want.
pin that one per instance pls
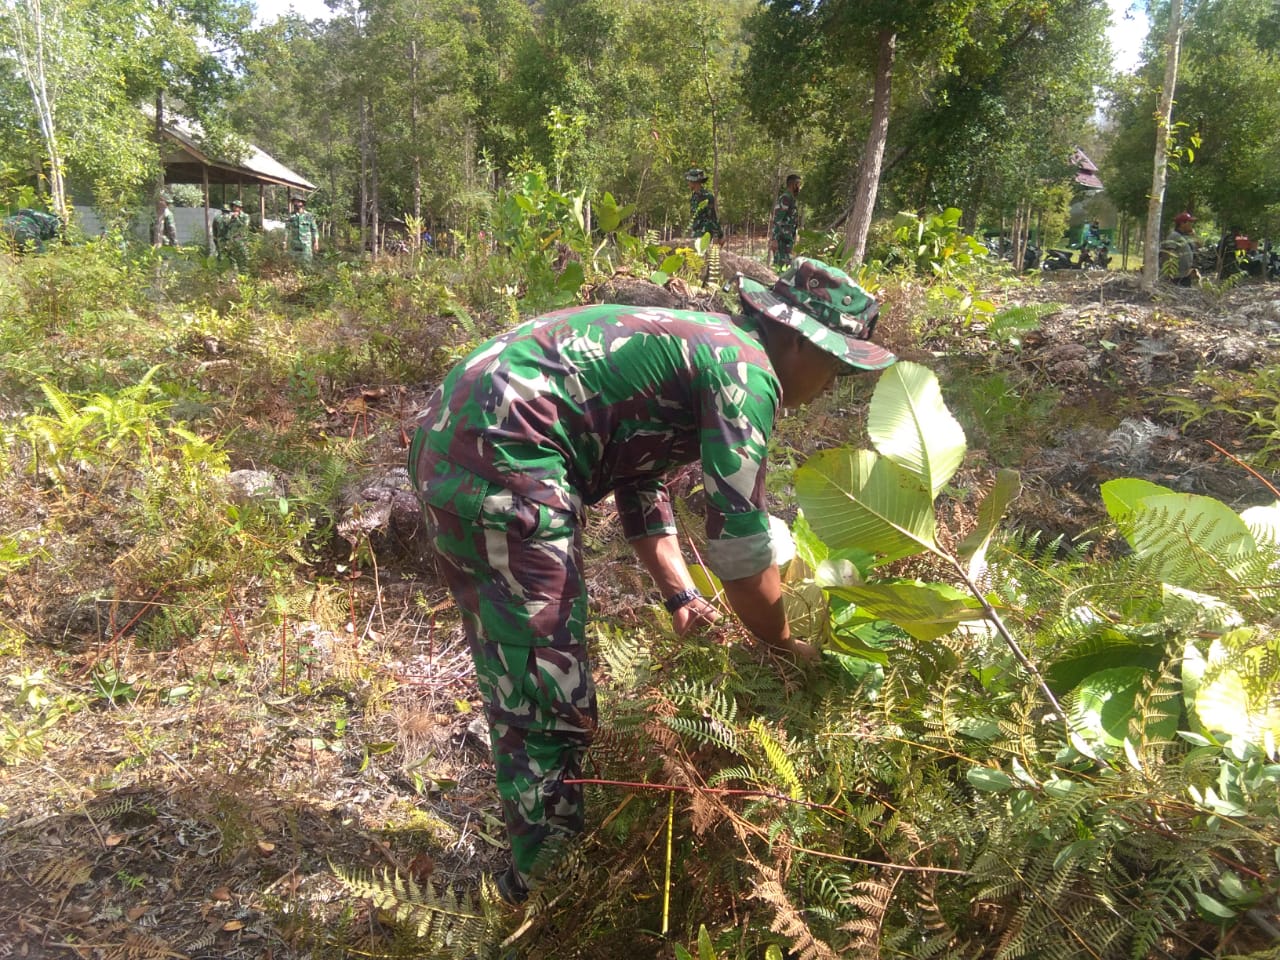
(297, 198)
(237, 203)
(695, 175)
(225, 209)
(825, 306)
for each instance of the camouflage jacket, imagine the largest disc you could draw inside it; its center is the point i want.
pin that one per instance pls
(235, 228)
(702, 207)
(786, 217)
(301, 232)
(29, 227)
(569, 407)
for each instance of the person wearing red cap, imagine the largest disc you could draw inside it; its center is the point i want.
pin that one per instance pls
(1178, 252)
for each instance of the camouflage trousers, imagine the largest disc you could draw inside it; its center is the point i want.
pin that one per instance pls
(515, 572)
(782, 255)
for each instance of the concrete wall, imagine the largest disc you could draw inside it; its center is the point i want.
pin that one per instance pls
(187, 221)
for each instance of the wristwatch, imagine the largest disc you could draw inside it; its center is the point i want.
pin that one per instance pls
(678, 600)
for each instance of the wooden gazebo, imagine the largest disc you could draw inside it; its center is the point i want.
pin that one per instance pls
(187, 161)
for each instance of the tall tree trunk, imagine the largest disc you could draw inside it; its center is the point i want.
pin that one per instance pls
(31, 25)
(375, 201)
(158, 238)
(1159, 171)
(864, 203)
(364, 174)
(413, 137)
(715, 121)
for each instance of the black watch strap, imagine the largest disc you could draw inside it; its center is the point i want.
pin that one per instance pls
(678, 600)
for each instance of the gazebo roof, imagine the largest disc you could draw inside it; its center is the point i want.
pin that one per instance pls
(186, 161)
(1086, 170)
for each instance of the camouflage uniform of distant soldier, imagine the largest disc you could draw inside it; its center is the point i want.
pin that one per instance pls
(786, 220)
(702, 206)
(235, 237)
(220, 232)
(168, 229)
(557, 414)
(302, 236)
(28, 229)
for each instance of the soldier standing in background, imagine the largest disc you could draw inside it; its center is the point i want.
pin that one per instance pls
(164, 217)
(301, 235)
(702, 206)
(786, 220)
(235, 236)
(220, 231)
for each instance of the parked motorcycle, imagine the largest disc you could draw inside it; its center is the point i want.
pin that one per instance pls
(1097, 258)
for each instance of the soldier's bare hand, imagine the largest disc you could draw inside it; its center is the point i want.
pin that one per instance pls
(695, 615)
(803, 653)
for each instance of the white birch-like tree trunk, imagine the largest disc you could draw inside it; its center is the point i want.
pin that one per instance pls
(1159, 170)
(859, 223)
(35, 24)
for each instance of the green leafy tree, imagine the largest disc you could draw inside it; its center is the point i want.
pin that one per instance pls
(800, 64)
(998, 130)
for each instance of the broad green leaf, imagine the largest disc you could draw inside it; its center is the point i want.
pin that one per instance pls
(973, 548)
(924, 610)
(989, 780)
(609, 215)
(809, 546)
(659, 278)
(1121, 497)
(1104, 650)
(806, 607)
(672, 263)
(1231, 692)
(1212, 909)
(909, 423)
(853, 498)
(1264, 523)
(1192, 539)
(850, 642)
(1211, 612)
(572, 277)
(1104, 702)
(708, 583)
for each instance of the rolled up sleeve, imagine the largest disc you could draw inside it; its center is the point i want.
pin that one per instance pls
(645, 509)
(738, 403)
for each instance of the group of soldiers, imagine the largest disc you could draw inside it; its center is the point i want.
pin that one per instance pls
(784, 222)
(231, 233)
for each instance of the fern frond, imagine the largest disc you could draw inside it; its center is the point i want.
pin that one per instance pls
(779, 762)
(448, 923)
